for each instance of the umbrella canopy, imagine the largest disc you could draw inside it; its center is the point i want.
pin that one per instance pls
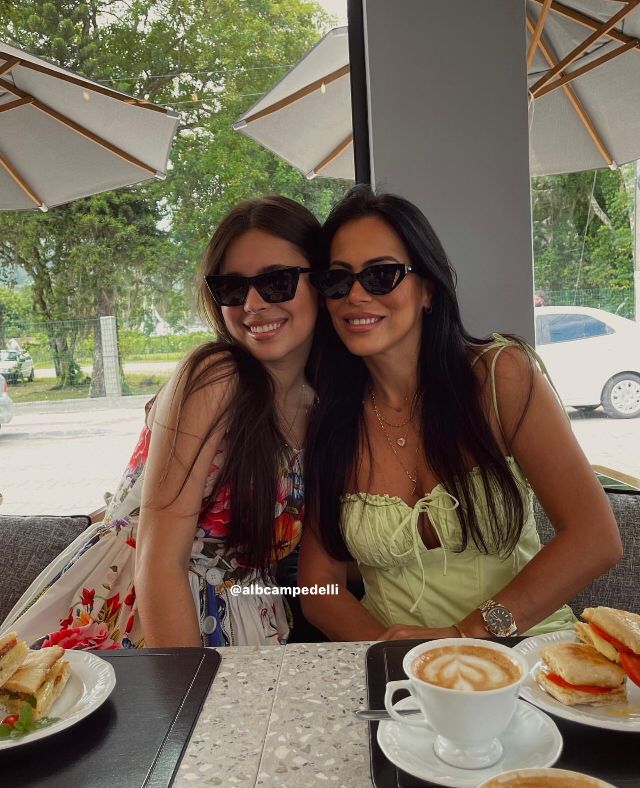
(583, 61)
(63, 136)
(306, 117)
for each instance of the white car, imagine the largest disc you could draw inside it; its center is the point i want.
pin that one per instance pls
(592, 356)
(6, 405)
(16, 365)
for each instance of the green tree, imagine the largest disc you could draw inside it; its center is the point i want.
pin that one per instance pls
(209, 60)
(15, 305)
(582, 230)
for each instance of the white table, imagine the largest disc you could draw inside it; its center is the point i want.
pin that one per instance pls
(282, 716)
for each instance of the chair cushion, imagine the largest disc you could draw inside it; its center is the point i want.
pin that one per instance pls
(27, 546)
(618, 587)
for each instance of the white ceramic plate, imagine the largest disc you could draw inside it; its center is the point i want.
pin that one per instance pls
(532, 739)
(618, 717)
(91, 681)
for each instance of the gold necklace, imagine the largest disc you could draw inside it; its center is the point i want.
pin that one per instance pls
(287, 434)
(413, 478)
(380, 417)
(401, 441)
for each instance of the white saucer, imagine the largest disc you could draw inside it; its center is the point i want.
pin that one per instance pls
(532, 739)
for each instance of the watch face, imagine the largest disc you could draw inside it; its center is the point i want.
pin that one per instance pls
(499, 618)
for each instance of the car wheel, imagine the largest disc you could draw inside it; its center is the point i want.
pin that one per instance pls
(621, 396)
(32, 375)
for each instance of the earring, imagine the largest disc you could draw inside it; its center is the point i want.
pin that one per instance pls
(427, 309)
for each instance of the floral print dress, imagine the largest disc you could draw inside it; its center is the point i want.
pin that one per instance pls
(86, 599)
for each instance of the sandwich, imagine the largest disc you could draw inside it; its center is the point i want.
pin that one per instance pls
(615, 634)
(40, 680)
(12, 653)
(576, 673)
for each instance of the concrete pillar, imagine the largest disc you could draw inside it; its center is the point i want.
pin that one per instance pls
(110, 359)
(447, 96)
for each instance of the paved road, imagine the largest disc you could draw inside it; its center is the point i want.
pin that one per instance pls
(129, 366)
(63, 462)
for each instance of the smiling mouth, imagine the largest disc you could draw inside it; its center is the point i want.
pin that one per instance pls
(363, 321)
(265, 328)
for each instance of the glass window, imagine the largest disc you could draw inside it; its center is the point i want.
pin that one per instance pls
(585, 227)
(568, 327)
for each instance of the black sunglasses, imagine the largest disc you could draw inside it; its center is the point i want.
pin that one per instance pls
(378, 279)
(274, 287)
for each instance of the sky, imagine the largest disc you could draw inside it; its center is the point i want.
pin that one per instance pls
(336, 8)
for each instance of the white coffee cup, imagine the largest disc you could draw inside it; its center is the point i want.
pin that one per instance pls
(467, 722)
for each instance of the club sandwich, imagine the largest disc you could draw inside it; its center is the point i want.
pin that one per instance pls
(43, 675)
(615, 634)
(12, 654)
(575, 673)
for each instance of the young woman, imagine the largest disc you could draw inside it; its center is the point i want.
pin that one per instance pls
(213, 495)
(424, 450)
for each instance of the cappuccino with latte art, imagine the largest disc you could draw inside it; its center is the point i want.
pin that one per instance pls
(466, 667)
(467, 690)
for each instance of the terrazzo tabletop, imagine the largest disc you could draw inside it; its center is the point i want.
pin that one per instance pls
(282, 716)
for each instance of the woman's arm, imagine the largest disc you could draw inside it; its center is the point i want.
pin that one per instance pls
(340, 616)
(587, 540)
(171, 501)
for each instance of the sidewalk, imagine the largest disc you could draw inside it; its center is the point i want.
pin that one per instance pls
(128, 366)
(86, 404)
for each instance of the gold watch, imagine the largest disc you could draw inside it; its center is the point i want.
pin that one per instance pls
(498, 620)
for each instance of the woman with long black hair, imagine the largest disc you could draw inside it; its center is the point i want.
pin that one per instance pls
(425, 447)
(213, 495)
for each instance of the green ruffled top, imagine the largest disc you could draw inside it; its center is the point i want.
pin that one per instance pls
(408, 583)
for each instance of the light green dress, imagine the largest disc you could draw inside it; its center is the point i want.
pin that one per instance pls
(408, 583)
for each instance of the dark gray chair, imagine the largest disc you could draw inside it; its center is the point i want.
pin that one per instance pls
(27, 546)
(620, 586)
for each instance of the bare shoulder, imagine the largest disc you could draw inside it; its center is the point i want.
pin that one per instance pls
(509, 366)
(508, 378)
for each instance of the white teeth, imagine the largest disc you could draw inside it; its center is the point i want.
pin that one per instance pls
(265, 328)
(362, 321)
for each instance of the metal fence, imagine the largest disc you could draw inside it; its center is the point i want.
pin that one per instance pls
(52, 342)
(618, 300)
(70, 357)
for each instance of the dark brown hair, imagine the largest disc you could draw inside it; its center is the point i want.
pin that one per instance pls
(454, 424)
(254, 443)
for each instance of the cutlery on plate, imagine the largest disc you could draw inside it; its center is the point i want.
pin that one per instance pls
(382, 714)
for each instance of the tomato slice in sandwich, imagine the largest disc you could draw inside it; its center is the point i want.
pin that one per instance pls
(610, 639)
(579, 687)
(631, 666)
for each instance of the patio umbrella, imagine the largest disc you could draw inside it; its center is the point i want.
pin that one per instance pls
(583, 61)
(306, 117)
(63, 136)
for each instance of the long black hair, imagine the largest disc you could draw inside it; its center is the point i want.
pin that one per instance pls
(254, 442)
(454, 425)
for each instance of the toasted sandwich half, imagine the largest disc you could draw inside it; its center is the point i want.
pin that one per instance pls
(43, 674)
(12, 654)
(616, 635)
(576, 673)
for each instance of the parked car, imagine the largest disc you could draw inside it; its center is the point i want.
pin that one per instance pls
(593, 358)
(6, 405)
(16, 365)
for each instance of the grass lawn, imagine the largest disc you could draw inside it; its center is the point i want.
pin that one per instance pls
(44, 390)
